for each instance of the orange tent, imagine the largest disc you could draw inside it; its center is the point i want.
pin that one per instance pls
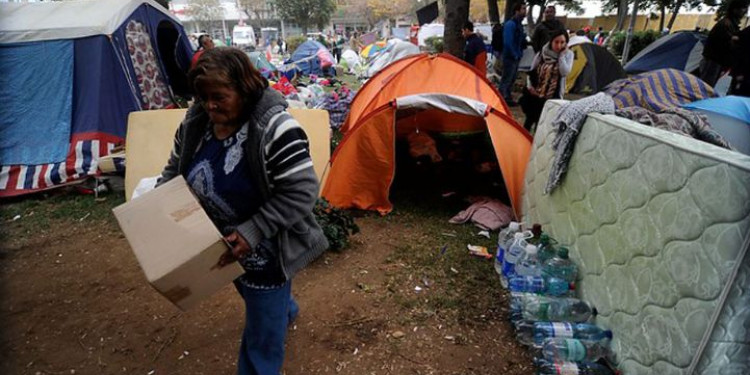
(428, 92)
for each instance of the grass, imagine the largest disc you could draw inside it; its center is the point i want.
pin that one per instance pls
(43, 210)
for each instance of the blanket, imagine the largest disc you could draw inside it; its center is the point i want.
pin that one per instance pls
(486, 213)
(676, 120)
(568, 124)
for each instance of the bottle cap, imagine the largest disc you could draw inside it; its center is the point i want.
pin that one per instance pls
(562, 253)
(531, 249)
(536, 229)
(608, 334)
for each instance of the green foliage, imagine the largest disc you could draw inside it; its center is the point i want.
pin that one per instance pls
(640, 40)
(306, 13)
(336, 137)
(293, 42)
(337, 224)
(434, 44)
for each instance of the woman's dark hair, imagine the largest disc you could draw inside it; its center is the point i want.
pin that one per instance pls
(557, 33)
(201, 40)
(231, 67)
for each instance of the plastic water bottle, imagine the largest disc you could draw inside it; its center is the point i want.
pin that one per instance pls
(562, 349)
(570, 368)
(525, 332)
(514, 253)
(536, 284)
(538, 308)
(546, 248)
(529, 265)
(516, 305)
(502, 240)
(581, 331)
(561, 267)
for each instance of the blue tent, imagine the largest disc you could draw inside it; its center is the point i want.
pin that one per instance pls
(730, 116)
(305, 60)
(72, 72)
(682, 51)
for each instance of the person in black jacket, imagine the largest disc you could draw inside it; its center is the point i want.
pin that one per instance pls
(549, 26)
(741, 69)
(717, 53)
(474, 44)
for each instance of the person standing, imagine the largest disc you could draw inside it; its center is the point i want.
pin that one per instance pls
(205, 43)
(514, 38)
(717, 52)
(741, 69)
(248, 162)
(547, 77)
(474, 51)
(545, 29)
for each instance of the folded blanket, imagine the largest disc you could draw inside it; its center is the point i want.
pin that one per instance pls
(489, 214)
(568, 124)
(676, 120)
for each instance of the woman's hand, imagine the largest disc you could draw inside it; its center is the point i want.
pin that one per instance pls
(239, 249)
(532, 91)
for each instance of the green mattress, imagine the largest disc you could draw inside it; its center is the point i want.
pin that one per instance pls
(659, 224)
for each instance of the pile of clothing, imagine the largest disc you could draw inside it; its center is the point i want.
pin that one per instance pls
(337, 103)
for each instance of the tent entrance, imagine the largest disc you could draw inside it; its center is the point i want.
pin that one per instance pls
(167, 39)
(443, 148)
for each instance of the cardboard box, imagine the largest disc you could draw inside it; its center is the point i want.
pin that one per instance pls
(176, 243)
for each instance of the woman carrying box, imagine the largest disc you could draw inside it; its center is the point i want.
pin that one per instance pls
(249, 164)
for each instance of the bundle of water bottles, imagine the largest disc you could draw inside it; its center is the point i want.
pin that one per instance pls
(543, 309)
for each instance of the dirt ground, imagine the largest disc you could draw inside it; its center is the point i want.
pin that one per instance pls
(74, 301)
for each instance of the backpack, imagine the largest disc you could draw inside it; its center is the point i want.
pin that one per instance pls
(497, 38)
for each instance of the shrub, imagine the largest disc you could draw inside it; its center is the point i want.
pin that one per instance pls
(640, 40)
(337, 224)
(434, 44)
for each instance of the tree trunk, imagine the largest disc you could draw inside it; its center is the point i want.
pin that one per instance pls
(509, 9)
(622, 12)
(663, 16)
(629, 37)
(675, 11)
(493, 12)
(456, 13)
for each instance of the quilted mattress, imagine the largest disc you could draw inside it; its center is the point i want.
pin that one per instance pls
(659, 225)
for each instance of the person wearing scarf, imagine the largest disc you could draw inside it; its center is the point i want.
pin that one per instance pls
(547, 77)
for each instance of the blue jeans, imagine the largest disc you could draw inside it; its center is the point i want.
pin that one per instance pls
(267, 315)
(510, 72)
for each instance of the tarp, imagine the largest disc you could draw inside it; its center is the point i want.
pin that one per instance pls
(37, 91)
(373, 49)
(681, 50)
(261, 63)
(394, 50)
(593, 68)
(730, 116)
(26, 22)
(135, 66)
(452, 97)
(659, 90)
(737, 107)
